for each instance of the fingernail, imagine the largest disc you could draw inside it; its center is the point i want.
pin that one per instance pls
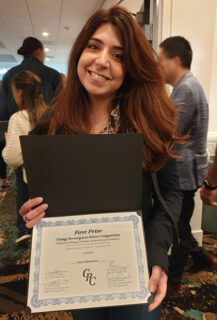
(152, 288)
(45, 206)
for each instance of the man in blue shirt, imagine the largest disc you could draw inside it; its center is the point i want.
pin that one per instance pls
(175, 56)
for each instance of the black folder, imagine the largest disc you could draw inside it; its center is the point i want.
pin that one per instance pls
(80, 174)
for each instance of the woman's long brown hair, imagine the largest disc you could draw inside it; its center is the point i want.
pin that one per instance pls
(145, 105)
(32, 98)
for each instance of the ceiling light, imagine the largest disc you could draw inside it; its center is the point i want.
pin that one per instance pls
(3, 70)
(47, 59)
(46, 49)
(45, 34)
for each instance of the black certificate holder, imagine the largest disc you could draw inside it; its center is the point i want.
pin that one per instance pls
(81, 174)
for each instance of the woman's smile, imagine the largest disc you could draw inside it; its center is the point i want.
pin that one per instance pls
(98, 77)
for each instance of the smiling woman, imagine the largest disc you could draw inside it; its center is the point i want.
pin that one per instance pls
(112, 63)
(101, 70)
(115, 85)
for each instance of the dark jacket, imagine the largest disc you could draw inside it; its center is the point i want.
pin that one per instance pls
(159, 229)
(50, 78)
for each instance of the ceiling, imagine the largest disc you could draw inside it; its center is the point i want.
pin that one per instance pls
(62, 19)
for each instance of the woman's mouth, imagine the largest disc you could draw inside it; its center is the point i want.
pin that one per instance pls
(97, 76)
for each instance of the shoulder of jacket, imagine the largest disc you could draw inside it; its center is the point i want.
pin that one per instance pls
(189, 81)
(9, 74)
(51, 70)
(185, 89)
(13, 71)
(20, 116)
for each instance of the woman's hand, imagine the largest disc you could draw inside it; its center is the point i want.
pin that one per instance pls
(157, 282)
(33, 216)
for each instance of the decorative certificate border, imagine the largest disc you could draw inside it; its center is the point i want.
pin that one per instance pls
(141, 294)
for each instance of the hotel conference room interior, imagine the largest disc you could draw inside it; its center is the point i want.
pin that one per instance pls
(56, 24)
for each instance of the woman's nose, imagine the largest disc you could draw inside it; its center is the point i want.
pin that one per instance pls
(102, 59)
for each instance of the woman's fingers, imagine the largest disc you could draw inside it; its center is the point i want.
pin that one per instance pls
(161, 292)
(28, 205)
(35, 212)
(155, 276)
(32, 216)
(33, 222)
(158, 282)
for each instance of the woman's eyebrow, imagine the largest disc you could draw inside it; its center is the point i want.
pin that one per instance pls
(101, 42)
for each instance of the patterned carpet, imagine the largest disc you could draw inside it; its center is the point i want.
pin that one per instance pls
(197, 298)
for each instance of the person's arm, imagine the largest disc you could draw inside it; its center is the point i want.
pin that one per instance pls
(207, 195)
(4, 114)
(160, 230)
(212, 174)
(12, 152)
(185, 108)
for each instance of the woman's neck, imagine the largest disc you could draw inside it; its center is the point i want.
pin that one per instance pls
(100, 109)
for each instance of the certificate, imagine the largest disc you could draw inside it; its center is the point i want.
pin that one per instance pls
(88, 261)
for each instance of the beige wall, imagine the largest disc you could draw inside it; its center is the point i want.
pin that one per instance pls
(197, 21)
(133, 6)
(213, 86)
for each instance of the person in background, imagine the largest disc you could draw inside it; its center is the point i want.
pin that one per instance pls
(175, 56)
(27, 93)
(208, 192)
(115, 85)
(3, 167)
(61, 85)
(63, 76)
(33, 52)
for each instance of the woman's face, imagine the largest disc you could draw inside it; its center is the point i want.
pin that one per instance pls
(101, 67)
(17, 94)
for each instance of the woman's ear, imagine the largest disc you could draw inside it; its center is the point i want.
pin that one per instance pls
(19, 97)
(39, 54)
(20, 93)
(17, 94)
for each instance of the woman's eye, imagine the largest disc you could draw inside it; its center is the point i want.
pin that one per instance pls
(92, 46)
(118, 56)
